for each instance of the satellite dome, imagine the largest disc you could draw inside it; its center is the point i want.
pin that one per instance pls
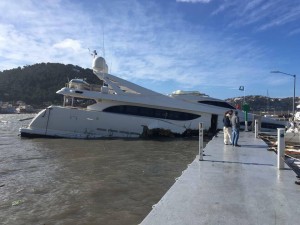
(99, 65)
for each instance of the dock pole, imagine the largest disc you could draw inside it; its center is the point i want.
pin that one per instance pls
(200, 141)
(246, 126)
(280, 148)
(256, 128)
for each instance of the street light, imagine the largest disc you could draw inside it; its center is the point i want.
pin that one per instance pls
(292, 75)
(242, 88)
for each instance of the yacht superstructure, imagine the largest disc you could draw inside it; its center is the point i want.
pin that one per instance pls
(267, 124)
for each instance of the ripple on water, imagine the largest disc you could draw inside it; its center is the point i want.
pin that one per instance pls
(64, 181)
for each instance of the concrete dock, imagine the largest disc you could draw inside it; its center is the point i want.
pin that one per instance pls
(233, 185)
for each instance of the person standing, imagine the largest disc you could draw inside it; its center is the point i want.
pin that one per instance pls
(227, 127)
(235, 122)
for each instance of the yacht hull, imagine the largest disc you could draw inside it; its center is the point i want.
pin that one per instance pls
(292, 138)
(66, 122)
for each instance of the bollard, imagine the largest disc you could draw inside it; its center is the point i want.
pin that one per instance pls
(280, 148)
(200, 141)
(256, 128)
(246, 126)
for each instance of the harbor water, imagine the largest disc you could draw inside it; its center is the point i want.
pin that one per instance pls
(67, 181)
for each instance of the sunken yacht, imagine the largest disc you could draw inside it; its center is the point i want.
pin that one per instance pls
(122, 109)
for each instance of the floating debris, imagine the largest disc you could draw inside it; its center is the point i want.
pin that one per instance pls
(291, 153)
(29, 118)
(271, 140)
(293, 163)
(17, 202)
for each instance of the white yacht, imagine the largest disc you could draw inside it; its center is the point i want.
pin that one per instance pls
(292, 135)
(122, 109)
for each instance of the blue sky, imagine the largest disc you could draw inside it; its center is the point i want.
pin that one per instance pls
(212, 46)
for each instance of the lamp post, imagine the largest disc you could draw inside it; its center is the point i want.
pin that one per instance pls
(292, 75)
(242, 88)
(245, 108)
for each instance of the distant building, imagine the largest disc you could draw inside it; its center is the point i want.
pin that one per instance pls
(25, 109)
(6, 108)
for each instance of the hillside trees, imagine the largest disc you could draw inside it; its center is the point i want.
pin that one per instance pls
(37, 84)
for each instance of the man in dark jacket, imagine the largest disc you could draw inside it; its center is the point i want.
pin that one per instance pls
(235, 122)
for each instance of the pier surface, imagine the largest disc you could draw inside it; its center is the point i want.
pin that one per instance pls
(233, 185)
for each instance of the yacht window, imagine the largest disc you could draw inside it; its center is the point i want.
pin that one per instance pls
(220, 104)
(78, 102)
(131, 110)
(175, 115)
(146, 111)
(271, 125)
(151, 112)
(159, 114)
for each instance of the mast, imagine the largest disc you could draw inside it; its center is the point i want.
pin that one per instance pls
(268, 99)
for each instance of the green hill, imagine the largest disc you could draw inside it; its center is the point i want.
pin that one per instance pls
(260, 103)
(37, 84)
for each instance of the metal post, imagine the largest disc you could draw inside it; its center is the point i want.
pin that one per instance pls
(200, 141)
(244, 97)
(294, 97)
(292, 75)
(280, 148)
(64, 104)
(256, 128)
(246, 126)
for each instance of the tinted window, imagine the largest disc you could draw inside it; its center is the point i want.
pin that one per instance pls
(271, 125)
(151, 112)
(220, 104)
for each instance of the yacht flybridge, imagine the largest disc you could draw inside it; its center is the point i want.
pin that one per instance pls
(122, 109)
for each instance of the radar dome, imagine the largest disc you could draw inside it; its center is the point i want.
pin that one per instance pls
(99, 65)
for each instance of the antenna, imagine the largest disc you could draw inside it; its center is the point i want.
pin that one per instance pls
(93, 53)
(268, 99)
(110, 67)
(103, 43)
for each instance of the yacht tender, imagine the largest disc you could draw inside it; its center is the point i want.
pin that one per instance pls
(122, 109)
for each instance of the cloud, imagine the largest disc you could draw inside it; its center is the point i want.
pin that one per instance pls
(261, 14)
(140, 43)
(47, 31)
(194, 1)
(68, 44)
(295, 31)
(151, 45)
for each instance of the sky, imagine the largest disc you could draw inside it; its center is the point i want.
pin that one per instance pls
(211, 46)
